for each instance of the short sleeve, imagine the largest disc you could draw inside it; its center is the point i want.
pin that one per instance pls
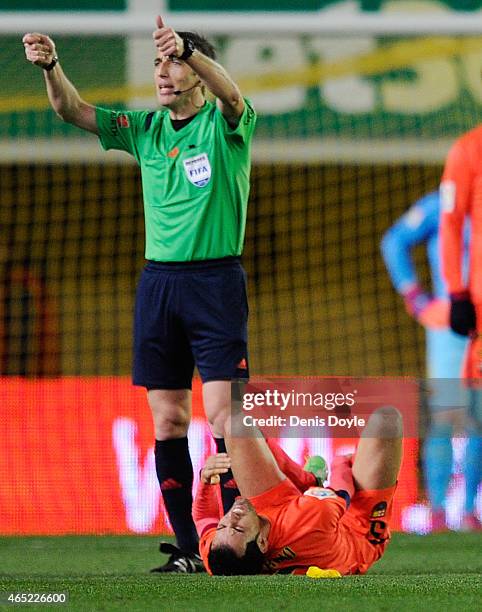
(120, 129)
(243, 132)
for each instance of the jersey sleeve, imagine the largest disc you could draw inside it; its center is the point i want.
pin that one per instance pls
(205, 542)
(455, 194)
(120, 129)
(341, 477)
(206, 511)
(417, 225)
(294, 472)
(242, 134)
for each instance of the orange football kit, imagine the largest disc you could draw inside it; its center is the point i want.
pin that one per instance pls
(310, 527)
(461, 199)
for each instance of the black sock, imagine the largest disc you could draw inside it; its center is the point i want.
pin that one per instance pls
(175, 475)
(229, 489)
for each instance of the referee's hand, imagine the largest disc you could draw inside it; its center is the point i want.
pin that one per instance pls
(39, 49)
(167, 40)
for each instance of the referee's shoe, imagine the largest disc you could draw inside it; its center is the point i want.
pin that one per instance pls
(179, 562)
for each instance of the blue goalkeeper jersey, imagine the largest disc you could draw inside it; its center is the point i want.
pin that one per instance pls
(420, 224)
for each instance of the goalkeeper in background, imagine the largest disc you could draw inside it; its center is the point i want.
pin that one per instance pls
(444, 354)
(191, 305)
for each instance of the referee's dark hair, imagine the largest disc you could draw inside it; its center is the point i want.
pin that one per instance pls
(200, 43)
(223, 561)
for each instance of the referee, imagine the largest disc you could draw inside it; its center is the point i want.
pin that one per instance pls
(191, 306)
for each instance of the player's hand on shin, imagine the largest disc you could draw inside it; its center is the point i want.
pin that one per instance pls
(342, 461)
(167, 40)
(215, 466)
(39, 49)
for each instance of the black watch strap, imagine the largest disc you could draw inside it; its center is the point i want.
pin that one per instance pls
(189, 49)
(52, 64)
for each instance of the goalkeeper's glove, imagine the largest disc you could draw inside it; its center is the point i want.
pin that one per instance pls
(416, 300)
(462, 313)
(428, 311)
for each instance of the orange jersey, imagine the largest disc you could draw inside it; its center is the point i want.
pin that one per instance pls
(461, 197)
(314, 528)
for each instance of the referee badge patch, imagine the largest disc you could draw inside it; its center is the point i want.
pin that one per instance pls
(198, 169)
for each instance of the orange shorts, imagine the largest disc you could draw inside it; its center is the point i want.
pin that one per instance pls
(369, 515)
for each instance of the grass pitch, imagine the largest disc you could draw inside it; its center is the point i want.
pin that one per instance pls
(431, 573)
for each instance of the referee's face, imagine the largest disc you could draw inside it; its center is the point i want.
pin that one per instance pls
(174, 79)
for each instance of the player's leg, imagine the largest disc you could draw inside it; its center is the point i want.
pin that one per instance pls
(446, 403)
(217, 404)
(473, 461)
(163, 363)
(378, 457)
(253, 464)
(216, 314)
(314, 474)
(376, 465)
(171, 412)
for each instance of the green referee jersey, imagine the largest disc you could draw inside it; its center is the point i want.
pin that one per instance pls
(195, 181)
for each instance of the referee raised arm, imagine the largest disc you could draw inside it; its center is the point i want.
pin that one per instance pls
(191, 307)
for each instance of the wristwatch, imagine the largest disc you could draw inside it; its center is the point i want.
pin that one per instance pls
(52, 64)
(189, 48)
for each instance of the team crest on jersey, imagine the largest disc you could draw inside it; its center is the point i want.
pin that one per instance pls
(379, 510)
(319, 493)
(198, 169)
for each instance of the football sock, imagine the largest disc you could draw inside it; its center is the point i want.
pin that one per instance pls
(438, 463)
(301, 478)
(229, 488)
(175, 475)
(472, 468)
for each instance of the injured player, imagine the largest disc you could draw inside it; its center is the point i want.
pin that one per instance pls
(285, 522)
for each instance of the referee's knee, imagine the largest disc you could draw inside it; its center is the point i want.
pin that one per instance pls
(167, 428)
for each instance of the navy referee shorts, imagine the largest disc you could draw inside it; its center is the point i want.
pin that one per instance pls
(187, 314)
